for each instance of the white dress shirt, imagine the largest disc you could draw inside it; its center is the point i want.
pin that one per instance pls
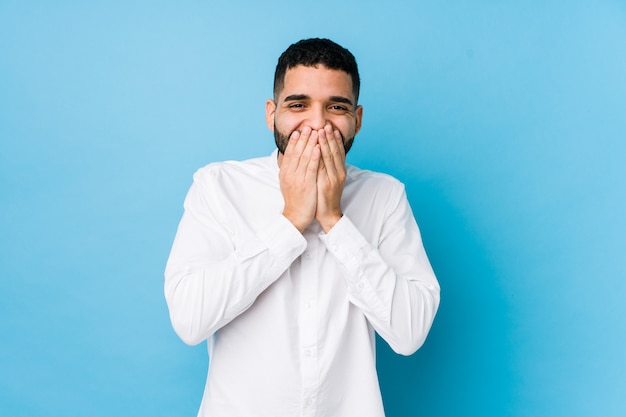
(290, 317)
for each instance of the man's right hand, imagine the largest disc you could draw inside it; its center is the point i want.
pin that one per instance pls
(298, 177)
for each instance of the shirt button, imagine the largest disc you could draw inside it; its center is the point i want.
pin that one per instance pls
(308, 402)
(307, 353)
(308, 255)
(361, 285)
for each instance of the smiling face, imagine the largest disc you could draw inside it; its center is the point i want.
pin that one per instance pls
(314, 97)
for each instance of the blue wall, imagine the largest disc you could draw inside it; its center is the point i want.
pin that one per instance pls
(506, 120)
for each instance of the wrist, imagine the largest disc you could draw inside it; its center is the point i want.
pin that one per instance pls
(328, 222)
(297, 222)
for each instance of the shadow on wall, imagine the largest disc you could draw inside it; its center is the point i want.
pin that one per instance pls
(464, 368)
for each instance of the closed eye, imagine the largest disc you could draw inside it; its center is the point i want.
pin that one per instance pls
(296, 101)
(297, 106)
(340, 104)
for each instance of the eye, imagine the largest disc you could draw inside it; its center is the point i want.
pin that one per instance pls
(338, 108)
(296, 106)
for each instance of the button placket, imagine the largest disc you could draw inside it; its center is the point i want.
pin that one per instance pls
(308, 319)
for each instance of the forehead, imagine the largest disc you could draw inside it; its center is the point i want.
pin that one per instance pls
(317, 82)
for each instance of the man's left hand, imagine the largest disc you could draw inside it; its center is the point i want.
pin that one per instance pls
(331, 178)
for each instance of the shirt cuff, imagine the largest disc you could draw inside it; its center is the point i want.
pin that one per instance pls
(346, 243)
(349, 246)
(283, 239)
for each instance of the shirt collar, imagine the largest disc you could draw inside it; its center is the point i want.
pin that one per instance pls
(274, 162)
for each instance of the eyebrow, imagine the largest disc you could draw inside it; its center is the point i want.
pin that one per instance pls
(337, 99)
(341, 99)
(297, 97)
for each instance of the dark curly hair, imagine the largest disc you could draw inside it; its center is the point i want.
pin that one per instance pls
(312, 52)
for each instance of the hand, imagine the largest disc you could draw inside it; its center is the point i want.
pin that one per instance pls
(331, 178)
(298, 177)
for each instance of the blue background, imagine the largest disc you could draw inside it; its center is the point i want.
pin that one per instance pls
(506, 121)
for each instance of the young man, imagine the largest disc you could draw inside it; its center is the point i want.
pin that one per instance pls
(289, 264)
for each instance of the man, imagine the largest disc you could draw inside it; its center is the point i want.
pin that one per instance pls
(288, 264)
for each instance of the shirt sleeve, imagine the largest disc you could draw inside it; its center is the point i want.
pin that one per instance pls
(391, 281)
(214, 274)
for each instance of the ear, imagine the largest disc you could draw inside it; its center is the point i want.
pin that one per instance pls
(358, 119)
(270, 112)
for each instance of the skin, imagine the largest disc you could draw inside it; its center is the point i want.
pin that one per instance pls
(316, 110)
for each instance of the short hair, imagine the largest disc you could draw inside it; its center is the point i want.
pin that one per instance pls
(315, 51)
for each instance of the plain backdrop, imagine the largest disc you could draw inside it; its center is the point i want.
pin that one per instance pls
(506, 120)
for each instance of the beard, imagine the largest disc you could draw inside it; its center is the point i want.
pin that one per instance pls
(282, 140)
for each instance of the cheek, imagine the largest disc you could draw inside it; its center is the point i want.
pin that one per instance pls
(287, 123)
(346, 127)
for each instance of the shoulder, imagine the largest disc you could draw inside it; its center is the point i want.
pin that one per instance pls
(250, 168)
(372, 189)
(371, 179)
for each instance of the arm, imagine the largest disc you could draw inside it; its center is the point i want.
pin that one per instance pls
(214, 274)
(390, 281)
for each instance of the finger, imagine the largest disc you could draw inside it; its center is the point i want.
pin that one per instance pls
(295, 148)
(292, 143)
(337, 149)
(327, 157)
(290, 158)
(313, 164)
(307, 152)
(336, 146)
(308, 140)
(304, 136)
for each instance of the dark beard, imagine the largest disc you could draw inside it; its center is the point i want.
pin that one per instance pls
(282, 141)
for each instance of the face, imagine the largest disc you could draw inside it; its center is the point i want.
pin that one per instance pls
(314, 97)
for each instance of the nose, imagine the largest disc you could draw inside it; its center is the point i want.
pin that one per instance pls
(317, 118)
